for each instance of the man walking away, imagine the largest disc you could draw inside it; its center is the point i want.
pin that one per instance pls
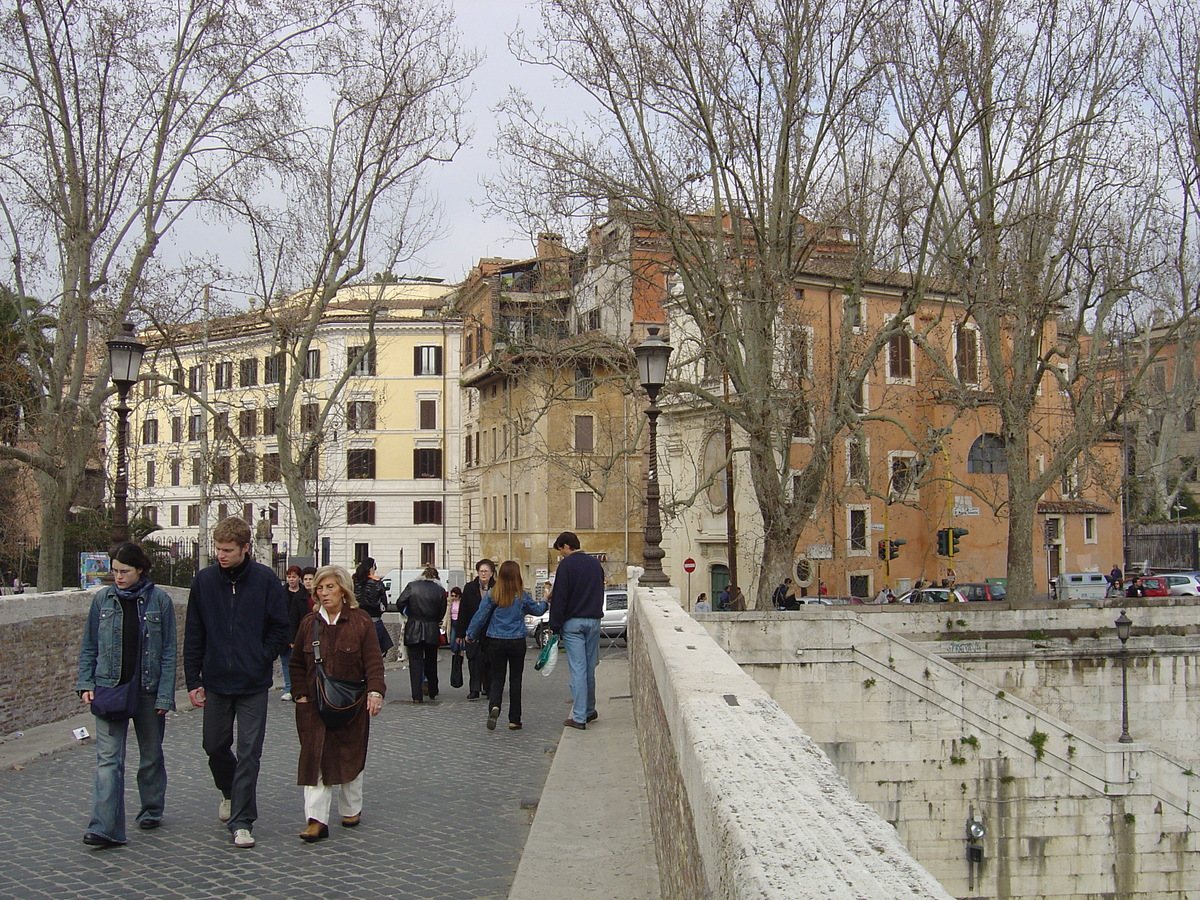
(236, 625)
(575, 614)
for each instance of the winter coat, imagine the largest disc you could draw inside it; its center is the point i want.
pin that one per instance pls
(423, 602)
(103, 643)
(299, 605)
(371, 596)
(350, 650)
(472, 596)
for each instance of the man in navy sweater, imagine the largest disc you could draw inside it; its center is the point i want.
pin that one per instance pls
(236, 626)
(576, 609)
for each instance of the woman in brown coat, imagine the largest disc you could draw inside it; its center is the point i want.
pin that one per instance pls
(350, 650)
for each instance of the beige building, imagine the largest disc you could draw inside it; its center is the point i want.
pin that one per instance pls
(384, 474)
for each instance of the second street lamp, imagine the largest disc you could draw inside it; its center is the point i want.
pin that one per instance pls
(1123, 624)
(124, 360)
(652, 356)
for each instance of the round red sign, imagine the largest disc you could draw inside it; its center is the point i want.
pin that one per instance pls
(689, 565)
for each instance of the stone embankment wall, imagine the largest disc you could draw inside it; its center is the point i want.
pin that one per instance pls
(743, 803)
(39, 655)
(926, 742)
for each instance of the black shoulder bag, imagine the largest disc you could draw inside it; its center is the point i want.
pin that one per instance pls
(338, 699)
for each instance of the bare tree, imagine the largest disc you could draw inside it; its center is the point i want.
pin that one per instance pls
(721, 134)
(121, 118)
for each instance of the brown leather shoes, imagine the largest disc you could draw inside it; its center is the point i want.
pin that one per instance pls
(571, 723)
(351, 821)
(316, 831)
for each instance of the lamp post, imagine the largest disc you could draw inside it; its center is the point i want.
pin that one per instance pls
(124, 360)
(1123, 624)
(652, 356)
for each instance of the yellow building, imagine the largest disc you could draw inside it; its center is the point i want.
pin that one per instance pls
(383, 477)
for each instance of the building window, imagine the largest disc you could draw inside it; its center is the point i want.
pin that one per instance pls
(177, 430)
(273, 513)
(310, 469)
(583, 434)
(150, 431)
(248, 423)
(176, 472)
(467, 451)
(221, 425)
(900, 357)
(248, 370)
(1070, 479)
(587, 321)
(427, 512)
(856, 460)
(177, 378)
(1189, 420)
(222, 511)
(427, 360)
(853, 308)
(223, 376)
(715, 470)
(1089, 530)
(428, 415)
(360, 512)
(150, 514)
(270, 468)
(966, 353)
(904, 469)
(175, 516)
(362, 366)
(360, 415)
(270, 420)
(987, 456)
(428, 554)
(195, 426)
(310, 415)
(275, 369)
(196, 379)
(585, 509)
(193, 514)
(585, 383)
(360, 463)
(248, 512)
(427, 462)
(312, 364)
(246, 468)
(858, 397)
(801, 421)
(856, 530)
(150, 473)
(197, 470)
(221, 469)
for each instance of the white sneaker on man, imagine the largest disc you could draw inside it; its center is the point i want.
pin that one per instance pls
(286, 696)
(243, 838)
(224, 809)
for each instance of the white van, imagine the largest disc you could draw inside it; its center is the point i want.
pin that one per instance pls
(1081, 586)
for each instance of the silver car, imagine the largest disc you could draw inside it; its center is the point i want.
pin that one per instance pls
(1186, 584)
(613, 625)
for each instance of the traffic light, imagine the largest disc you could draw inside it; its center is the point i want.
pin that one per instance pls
(955, 534)
(943, 542)
(883, 549)
(894, 549)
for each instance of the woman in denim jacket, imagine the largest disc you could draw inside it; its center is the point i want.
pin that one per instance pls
(501, 616)
(107, 657)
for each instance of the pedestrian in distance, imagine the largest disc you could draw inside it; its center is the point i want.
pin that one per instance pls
(129, 636)
(299, 602)
(501, 618)
(423, 602)
(723, 600)
(779, 598)
(335, 757)
(1135, 588)
(702, 604)
(575, 617)
(371, 596)
(450, 626)
(236, 626)
(1115, 580)
(478, 677)
(309, 573)
(738, 604)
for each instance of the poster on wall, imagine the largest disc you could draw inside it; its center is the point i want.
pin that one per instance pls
(93, 570)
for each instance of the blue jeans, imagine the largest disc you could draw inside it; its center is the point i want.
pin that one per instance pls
(108, 795)
(285, 660)
(236, 777)
(580, 640)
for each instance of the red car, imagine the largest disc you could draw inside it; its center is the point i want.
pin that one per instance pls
(1153, 586)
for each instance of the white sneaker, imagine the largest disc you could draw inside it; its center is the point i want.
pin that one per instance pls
(224, 809)
(243, 838)
(286, 696)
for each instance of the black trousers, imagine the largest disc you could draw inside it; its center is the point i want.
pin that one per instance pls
(478, 669)
(422, 666)
(506, 655)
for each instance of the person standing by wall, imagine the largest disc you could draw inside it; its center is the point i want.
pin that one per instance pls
(472, 595)
(575, 617)
(298, 604)
(702, 604)
(236, 626)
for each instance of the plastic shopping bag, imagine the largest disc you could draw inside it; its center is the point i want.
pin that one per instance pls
(548, 658)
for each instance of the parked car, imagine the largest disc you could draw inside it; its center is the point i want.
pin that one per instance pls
(933, 595)
(1183, 585)
(982, 591)
(1155, 585)
(612, 625)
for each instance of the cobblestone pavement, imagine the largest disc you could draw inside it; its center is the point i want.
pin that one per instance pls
(448, 808)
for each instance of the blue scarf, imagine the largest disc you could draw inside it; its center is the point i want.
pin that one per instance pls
(143, 588)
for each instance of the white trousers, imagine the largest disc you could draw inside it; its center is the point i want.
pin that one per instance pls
(319, 797)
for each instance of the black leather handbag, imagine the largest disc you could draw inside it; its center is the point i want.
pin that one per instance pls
(338, 699)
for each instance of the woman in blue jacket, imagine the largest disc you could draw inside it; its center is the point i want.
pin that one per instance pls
(108, 657)
(501, 617)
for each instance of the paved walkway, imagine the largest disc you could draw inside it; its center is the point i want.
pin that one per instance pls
(448, 811)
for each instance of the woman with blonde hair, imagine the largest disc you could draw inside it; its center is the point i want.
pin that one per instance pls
(349, 650)
(501, 617)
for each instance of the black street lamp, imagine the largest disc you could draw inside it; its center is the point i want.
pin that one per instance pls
(1123, 624)
(124, 360)
(652, 356)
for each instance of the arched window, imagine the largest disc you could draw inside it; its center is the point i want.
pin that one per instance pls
(987, 456)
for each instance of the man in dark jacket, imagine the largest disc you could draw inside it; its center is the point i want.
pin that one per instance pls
(423, 603)
(472, 596)
(576, 609)
(236, 625)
